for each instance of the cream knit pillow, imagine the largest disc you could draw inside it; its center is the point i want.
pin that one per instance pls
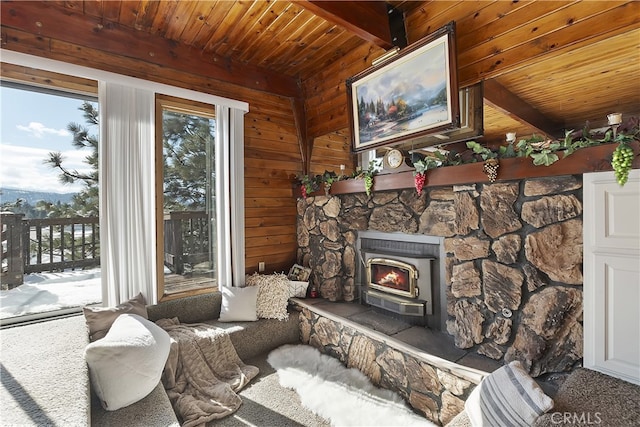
(273, 295)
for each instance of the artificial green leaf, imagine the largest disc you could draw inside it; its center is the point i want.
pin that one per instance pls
(508, 151)
(569, 151)
(544, 158)
(477, 148)
(524, 148)
(567, 137)
(441, 156)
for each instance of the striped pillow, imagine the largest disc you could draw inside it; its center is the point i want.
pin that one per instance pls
(507, 397)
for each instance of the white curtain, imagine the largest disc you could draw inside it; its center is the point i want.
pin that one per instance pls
(127, 178)
(127, 193)
(236, 164)
(230, 193)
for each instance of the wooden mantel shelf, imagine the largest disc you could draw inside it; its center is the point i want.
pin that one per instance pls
(591, 159)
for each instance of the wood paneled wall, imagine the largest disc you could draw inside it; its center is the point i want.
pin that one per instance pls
(330, 151)
(493, 38)
(326, 109)
(325, 93)
(272, 153)
(272, 160)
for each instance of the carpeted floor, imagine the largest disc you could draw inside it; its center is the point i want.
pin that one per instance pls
(265, 403)
(39, 387)
(592, 398)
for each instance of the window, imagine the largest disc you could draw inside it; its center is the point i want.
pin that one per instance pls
(131, 193)
(186, 143)
(48, 196)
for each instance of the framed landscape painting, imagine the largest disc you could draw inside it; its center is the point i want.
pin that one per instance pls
(412, 94)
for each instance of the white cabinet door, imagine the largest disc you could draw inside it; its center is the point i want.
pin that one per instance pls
(612, 275)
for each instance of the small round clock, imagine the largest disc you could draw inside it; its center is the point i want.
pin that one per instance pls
(394, 158)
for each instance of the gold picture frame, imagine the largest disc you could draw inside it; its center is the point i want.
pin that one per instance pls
(412, 94)
(299, 273)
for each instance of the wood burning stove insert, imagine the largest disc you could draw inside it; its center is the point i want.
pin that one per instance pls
(401, 275)
(399, 284)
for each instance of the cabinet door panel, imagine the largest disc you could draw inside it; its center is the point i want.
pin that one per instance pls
(612, 275)
(616, 209)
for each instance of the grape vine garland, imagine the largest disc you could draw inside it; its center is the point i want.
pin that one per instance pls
(544, 152)
(310, 183)
(490, 167)
(368, 184)
(367, 175)
(621, 161)
(541, 151)
(419, 181)
(420, 174)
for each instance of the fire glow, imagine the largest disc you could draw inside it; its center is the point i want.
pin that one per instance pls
(390, 277)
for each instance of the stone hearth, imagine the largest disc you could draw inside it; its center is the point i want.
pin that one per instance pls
(513, 268)
(423, 366)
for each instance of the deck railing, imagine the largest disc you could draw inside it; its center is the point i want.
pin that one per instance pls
(62, 243)
(56, 244)
(186, 239)
(52, 244)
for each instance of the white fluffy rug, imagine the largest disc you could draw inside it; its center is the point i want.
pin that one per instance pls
(344, 396)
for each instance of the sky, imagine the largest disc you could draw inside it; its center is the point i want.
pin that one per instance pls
(32, 125)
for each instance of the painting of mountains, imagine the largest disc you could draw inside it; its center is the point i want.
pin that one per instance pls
(409, 96)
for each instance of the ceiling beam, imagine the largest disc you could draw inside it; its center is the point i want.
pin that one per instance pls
(510, 104)
(304, 141)
(368, 20)
(47, 20)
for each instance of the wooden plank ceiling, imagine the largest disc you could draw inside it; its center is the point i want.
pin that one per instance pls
(548, 65)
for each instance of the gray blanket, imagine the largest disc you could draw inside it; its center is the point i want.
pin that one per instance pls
(203, 372)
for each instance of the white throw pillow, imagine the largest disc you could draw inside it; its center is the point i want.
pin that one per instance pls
(509, 396)
(238, 304)
(126, 365)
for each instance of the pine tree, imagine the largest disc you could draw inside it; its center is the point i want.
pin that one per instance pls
(185, 142)
(85, 203)
(188, 146)
(189, 174)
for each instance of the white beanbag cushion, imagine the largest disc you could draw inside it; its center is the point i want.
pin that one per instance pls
(239, 304)
(126, 365)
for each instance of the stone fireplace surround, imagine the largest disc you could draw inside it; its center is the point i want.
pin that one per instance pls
(513, 264)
